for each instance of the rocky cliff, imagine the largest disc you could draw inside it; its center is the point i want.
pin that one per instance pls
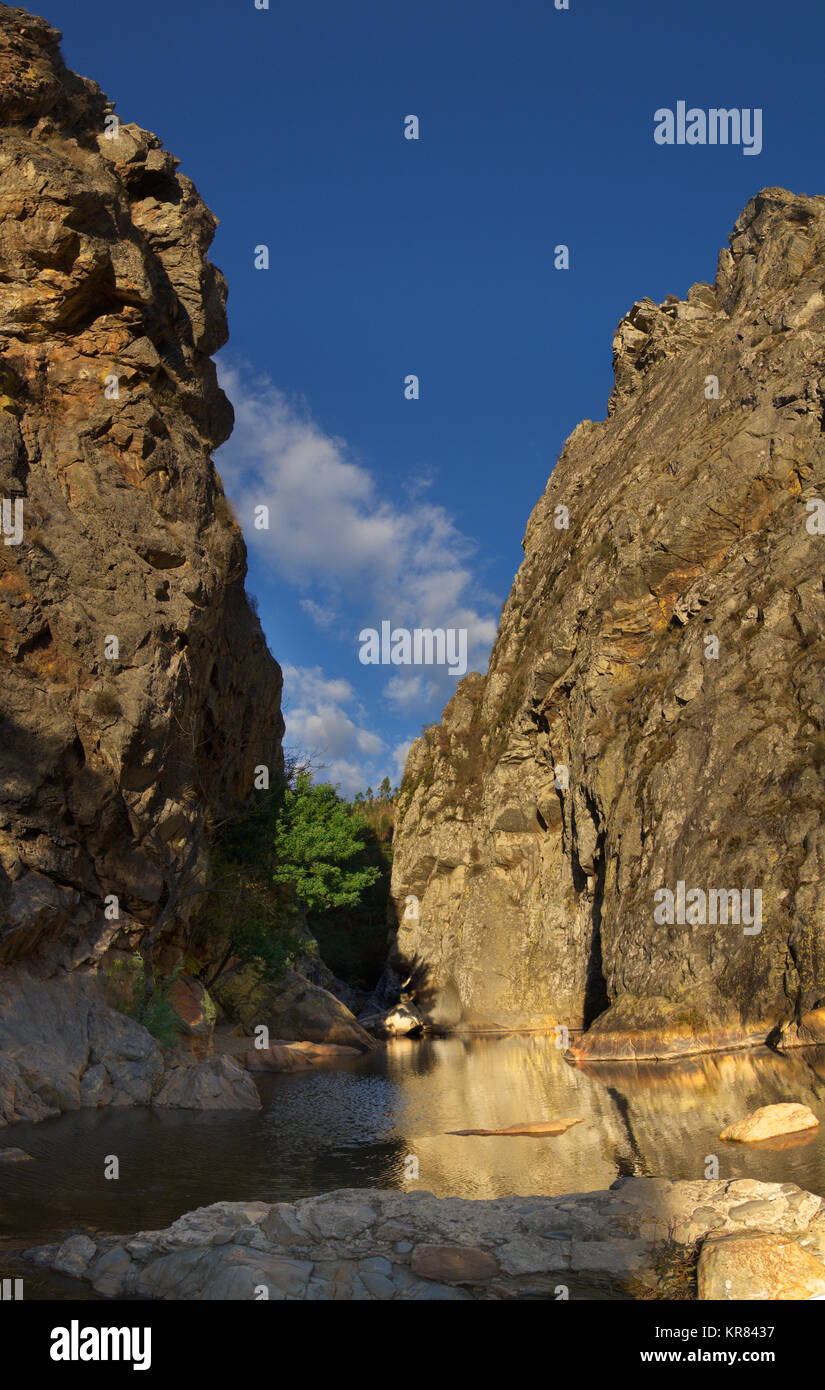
(137, 694)
(654, 710)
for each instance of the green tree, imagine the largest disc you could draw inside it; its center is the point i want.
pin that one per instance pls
(317, 841)
(246, 916)
(385, 789)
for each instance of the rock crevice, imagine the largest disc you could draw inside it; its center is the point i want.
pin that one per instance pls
(653, 711)
(137, 694)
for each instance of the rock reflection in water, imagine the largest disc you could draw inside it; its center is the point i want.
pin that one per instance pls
(647, 1119)
(356, 1126)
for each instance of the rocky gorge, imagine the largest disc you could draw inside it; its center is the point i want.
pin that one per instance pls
(651, 727)
(652, 717)
(137, 694)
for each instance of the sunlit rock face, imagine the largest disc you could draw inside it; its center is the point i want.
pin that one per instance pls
(654, 708)
(114, 754)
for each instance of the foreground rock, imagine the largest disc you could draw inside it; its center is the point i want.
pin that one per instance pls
(389, 1245)
(769, 1121)
(755, 1266)
(654, 708)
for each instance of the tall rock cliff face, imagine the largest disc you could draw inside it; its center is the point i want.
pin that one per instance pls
(136, 691)
(654, 711)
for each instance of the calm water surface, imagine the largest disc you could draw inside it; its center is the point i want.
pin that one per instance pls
(356, 1125)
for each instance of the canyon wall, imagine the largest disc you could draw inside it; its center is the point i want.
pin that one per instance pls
(137, 694)
(654, 710)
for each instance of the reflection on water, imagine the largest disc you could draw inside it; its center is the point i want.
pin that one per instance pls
(355, 1126)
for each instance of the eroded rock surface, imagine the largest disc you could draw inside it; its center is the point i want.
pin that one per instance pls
(112, 758)
(388, 1245)
(654, 711)
(756, 1266)
(292, 1008)
(63, 1048)
(213, 1083)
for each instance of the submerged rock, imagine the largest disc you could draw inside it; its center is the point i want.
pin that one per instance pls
(15, 1156)
(535, 1128)
(297, 1056)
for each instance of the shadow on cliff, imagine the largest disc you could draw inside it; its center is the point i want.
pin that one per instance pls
(68, 839)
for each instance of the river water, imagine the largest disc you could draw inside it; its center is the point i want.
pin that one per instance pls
(367, 1122)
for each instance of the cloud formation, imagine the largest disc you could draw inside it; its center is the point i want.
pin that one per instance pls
(325, 720)
(403, 560)
(357, 558)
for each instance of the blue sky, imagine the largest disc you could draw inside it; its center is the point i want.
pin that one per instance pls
(434, 257)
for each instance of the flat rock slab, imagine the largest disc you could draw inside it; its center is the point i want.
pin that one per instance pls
(758, 1266)
(769, 1121)
(386, 1244)
(276, 1058)
(453, 1264)
(535, 1129)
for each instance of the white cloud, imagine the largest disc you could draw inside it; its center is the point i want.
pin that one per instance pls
(318, 723)
(399, 759)
(360, 558)
(410, 691)
(324, 618)
(402, 560)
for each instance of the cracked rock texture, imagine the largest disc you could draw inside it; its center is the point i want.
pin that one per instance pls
(614, 748)
(111, 766)
(382, 1245)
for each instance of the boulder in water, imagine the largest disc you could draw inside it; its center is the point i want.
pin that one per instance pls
(769, 1121)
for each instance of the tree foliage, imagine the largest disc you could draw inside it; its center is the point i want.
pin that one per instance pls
(318, 843)
(295, 848)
